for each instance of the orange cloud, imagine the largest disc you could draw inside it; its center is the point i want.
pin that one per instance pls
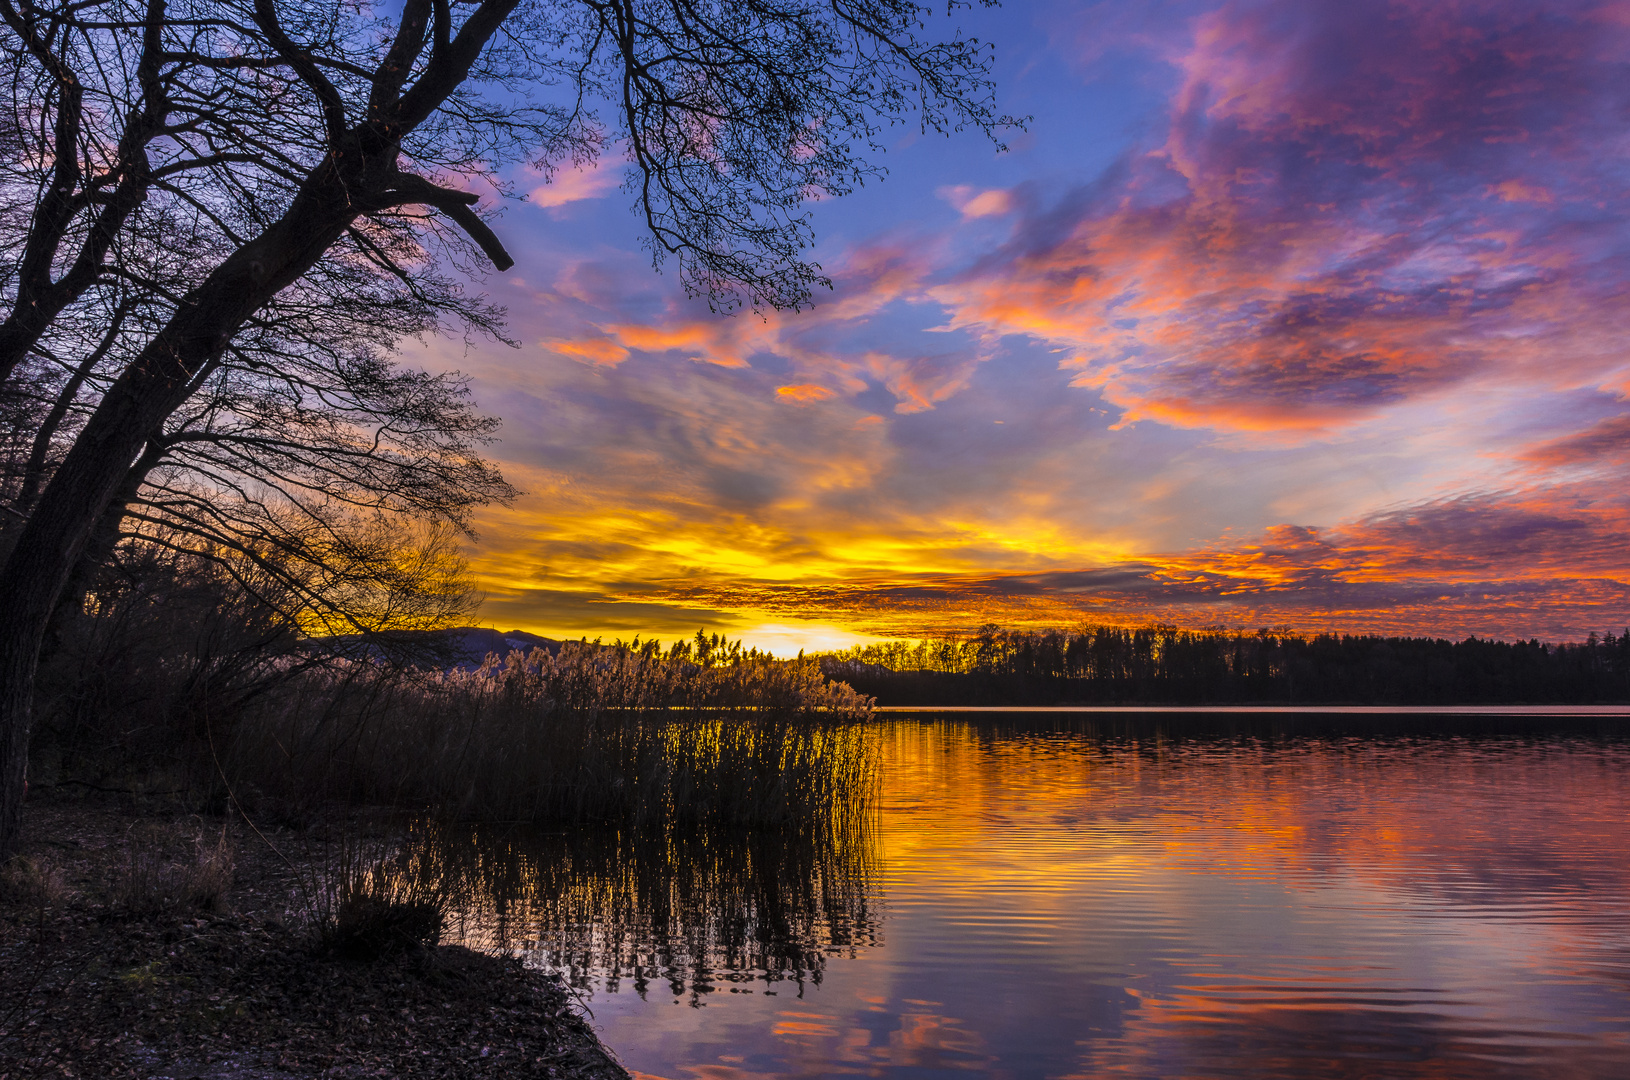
(1512, 566)
(817, 344)
(594, 350)
(718, 342)
(806, 394)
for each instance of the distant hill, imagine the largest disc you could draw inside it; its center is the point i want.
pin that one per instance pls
(463, 647)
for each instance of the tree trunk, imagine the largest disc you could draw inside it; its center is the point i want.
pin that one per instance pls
(133, 412)
(49, 546)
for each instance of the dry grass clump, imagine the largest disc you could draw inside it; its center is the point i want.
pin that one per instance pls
(615, 733)
(31, 882)
(150, 881)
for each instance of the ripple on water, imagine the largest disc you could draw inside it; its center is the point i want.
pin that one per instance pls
(1029, 903)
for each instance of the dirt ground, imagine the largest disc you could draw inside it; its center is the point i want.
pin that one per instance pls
(139, 941)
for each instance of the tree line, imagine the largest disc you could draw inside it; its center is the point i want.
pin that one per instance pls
(1165, 664)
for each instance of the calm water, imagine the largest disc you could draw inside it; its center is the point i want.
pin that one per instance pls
(1082, 899)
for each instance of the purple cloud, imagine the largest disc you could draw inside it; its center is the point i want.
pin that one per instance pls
(1352, 205)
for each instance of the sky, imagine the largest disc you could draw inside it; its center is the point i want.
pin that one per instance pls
(1286, 313)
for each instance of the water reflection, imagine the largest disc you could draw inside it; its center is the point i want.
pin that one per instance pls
(1204, 903)
(1174, 899)
(681, 913)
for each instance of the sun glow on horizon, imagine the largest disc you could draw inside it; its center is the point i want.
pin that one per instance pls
(788, 639)
(1320, 326)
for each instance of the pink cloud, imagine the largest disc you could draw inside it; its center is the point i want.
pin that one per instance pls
(977, 204)
(1606, 441)
(1353, 206)
(576, 184)
(920, 383)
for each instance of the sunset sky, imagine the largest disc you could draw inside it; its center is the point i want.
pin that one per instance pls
(1291, 313)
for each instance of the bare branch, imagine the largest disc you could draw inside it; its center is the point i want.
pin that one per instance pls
(333, 104)
(456, 205)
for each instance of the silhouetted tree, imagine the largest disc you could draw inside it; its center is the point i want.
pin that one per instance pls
(250, 201)
(1108, 665)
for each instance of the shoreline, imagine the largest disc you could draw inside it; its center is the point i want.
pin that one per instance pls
(1539, 711)
(91, 988)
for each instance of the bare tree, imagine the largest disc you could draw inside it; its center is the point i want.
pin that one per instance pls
(223, 214)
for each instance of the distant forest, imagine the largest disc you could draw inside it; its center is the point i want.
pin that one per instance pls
(1165, 665)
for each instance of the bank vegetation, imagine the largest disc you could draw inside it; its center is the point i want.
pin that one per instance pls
(177, 678)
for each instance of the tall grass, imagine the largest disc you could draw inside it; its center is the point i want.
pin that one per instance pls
(369, 898)
(622, 733)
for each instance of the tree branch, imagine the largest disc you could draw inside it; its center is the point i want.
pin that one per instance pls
(408, 188)
(300, 60)
(405, 49)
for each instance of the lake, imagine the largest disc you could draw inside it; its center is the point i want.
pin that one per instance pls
(1171, 895)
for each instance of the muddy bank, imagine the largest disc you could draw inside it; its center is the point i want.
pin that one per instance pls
(99, 978)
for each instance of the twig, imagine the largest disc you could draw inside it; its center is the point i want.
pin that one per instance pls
(112, 790)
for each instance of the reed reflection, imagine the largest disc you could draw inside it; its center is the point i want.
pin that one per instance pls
(1226, 896)
(685, 912)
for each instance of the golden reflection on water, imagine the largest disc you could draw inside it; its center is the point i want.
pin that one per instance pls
(1083, 902)
(686, 913)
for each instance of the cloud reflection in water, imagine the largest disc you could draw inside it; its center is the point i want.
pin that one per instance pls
(1223, 897)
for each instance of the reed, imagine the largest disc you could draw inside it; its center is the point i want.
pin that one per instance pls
(622, 733)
